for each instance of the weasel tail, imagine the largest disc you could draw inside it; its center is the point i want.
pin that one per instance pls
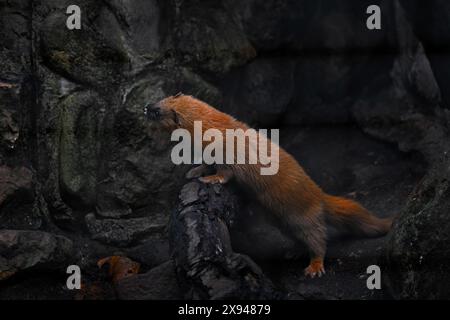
(349, 216)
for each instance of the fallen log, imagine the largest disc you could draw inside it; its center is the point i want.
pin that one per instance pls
(207, 267)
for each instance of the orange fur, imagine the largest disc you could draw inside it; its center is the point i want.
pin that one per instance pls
(290, 194)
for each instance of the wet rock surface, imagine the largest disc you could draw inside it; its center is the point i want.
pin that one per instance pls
(158, 283)
(123, 232)
(33, 250)
(366, 113)
(206, 264)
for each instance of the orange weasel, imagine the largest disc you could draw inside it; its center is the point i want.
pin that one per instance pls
(290, 194)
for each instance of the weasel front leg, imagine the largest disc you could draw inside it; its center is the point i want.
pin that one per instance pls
(222, 176)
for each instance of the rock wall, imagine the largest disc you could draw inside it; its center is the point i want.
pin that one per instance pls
(79, 161)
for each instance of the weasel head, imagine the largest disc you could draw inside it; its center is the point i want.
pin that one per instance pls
(173, 112)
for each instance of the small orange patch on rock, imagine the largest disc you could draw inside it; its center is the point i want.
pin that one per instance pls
(120, 267)
(6, 274)
(4, 85)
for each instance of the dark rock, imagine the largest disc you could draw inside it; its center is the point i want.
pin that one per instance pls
(430, 25)
(9, 130)
(125, 232)
(18, 201)
(15, 182)
(151, 253)
(15, 34)
(206, 36)
(81, 121)
(201, 248)
(136, 26)
(417, 256)
(262, 92)
(84, 55)
(286, 26)
(33, 250)
(140, 165)
(257, 234)
(157, 284)
(47, 139)
(204, 89)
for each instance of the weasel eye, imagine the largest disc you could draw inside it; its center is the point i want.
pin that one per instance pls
(153, 113)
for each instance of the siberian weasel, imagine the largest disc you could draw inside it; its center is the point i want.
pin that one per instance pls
(290, 194)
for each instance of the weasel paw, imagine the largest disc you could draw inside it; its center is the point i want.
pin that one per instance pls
(315, 269)
(213, 180)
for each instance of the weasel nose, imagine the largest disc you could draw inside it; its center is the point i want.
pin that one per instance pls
(152, 112)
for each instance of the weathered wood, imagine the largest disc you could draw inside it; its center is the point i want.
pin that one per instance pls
(206, 265)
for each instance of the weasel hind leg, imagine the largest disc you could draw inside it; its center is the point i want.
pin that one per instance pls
(310, 229)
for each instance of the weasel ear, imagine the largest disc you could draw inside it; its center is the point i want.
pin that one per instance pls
(176, 119)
